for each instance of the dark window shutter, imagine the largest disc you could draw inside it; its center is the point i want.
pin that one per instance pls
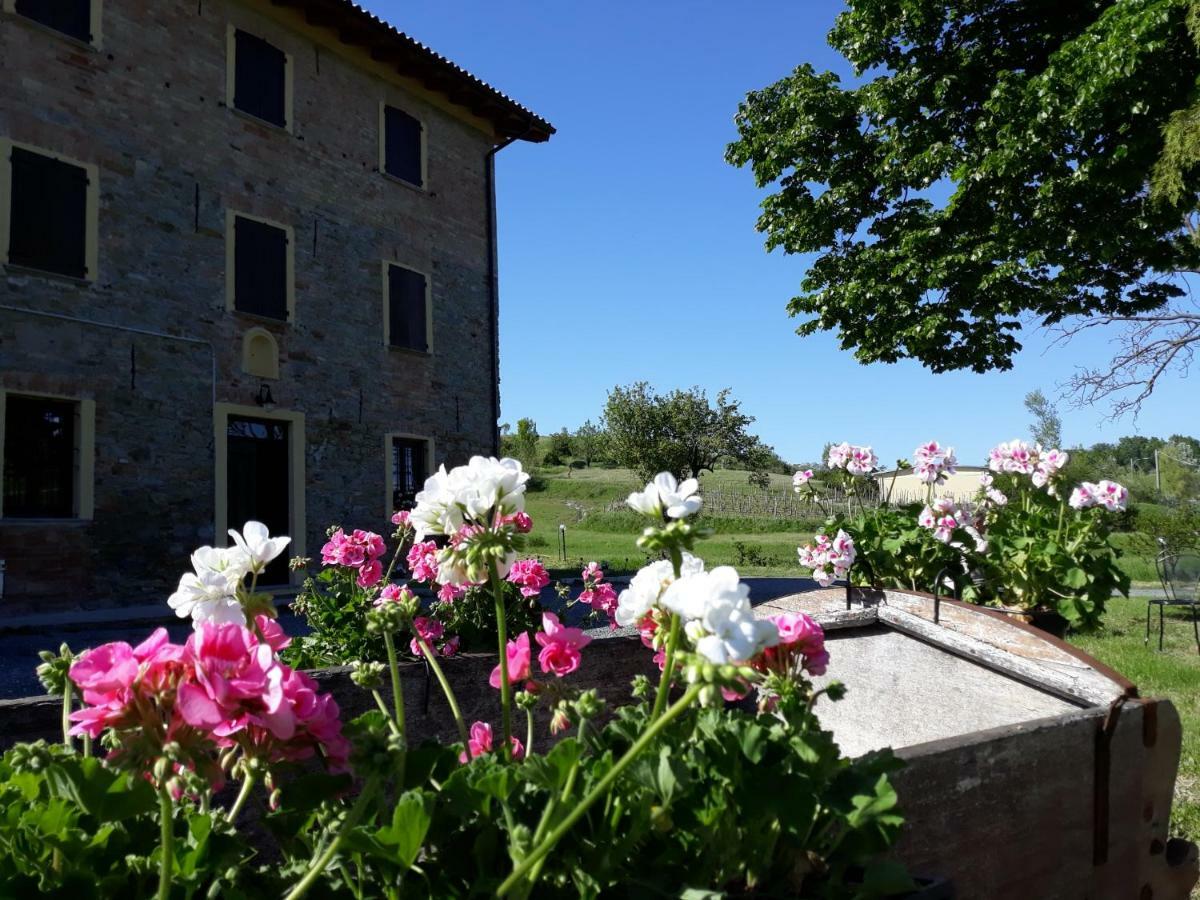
(402, 145)
(406, 309)
(71, 17)
(39, 457)
(260, 268)
(48, 216)
(259, 78)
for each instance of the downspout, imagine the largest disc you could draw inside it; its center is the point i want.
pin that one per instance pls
(489, 171)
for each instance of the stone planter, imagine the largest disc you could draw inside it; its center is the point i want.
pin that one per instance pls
(1047, 620)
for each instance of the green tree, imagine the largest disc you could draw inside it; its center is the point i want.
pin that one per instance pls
(1047, 426)
(558, 453)
(989, 168)
(522, 445)
(588, 442)
(681, 432)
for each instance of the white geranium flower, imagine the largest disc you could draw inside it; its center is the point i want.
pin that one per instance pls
(207, 597)
(737, 636)
(679, 500)
(231, 562)
(720, 621)
(435, 511)
(646, 502)
(665, 494)
(647, 586)
(478, 493)
(256, 543)
(695, 594)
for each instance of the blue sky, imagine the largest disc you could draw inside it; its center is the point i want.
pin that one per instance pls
(628, 249)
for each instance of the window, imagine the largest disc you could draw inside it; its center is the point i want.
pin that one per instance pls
(409, 469)
(260, 79)
(40, 448)
(260, 256)
(402, 146)
(52, 202)
(406, 313)
(72, 17)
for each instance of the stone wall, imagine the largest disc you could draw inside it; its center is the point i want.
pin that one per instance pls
(148, 109)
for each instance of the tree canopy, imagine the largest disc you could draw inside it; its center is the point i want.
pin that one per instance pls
(990, 168)
(681, 432)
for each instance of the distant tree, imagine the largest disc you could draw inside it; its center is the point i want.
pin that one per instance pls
(681, 432)
(1179, 468)
(989, 166)
(523, 444)
(588, 442)
(1046, 428)
(559, 450)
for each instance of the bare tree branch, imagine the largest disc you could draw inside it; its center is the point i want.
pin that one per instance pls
(1149, 346)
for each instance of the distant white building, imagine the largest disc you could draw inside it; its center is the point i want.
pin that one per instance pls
(905, 487)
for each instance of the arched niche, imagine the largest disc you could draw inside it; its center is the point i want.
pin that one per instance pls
(260, 353)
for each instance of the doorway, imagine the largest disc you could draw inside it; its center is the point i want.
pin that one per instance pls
(258, 482)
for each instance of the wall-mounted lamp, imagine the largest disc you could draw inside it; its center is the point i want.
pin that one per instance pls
(264, 398)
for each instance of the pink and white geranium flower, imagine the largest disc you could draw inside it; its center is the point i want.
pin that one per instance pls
(933, 463)
(854, 459)
(828, 559)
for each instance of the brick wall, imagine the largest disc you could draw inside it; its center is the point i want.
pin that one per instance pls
(148, 109)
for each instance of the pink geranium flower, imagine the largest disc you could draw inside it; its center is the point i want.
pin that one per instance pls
(429, 629)
(422, 561)
(530, 576)
(802, 640)
(519, 661)
(400, 517)
(480, 742)
(560, 646)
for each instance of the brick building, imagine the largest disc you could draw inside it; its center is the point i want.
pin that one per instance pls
(247, 270)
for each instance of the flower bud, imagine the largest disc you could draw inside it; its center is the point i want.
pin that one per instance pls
(561, 720)
(589, 704)
(367, 675)
(161, 767)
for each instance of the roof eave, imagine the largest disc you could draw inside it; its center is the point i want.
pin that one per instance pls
(386, 44)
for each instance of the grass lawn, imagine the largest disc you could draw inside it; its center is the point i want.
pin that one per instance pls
(1174, 673)
(579, 501)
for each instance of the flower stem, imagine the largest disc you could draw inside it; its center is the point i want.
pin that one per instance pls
(168, 843)
(431, 658)
(240, 801)
(664, 684)
(383, 708)
(528, 731)
(322, 862)
(66, 712)
(502, 641)
(601, 788)
(397, 690)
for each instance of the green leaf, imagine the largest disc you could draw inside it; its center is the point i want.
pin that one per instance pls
(410, 824)
(1075, 578)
